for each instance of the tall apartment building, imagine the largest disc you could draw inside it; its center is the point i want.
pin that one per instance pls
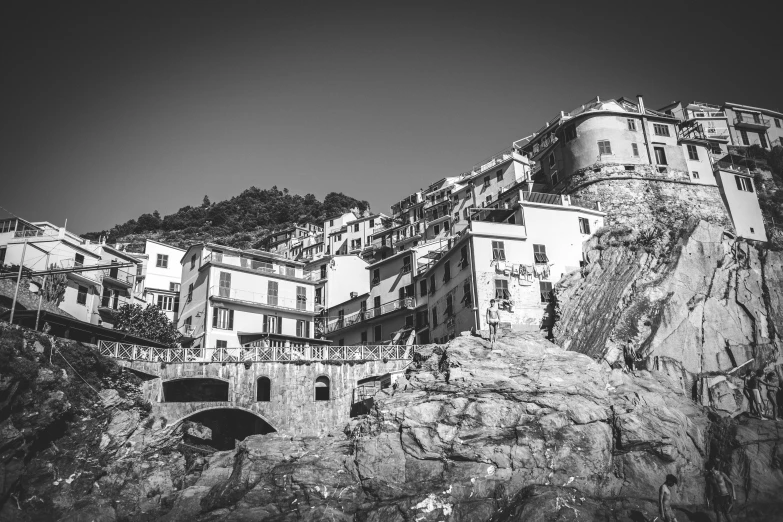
(161, 276)
(292, 242)
(231, 297)
(710, 119)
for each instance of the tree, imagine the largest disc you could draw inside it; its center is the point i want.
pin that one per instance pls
(150, 322)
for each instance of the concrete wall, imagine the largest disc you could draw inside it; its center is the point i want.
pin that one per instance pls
(743, 206)
(348, 274)
(292, 409)
(158, 280)
(699, 170)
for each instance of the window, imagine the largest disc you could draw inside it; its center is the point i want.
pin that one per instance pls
(757, 118)
(406, 264)
(434, 316)
(166, 303)
(221, 344)
(570, 133)
(498, 250)
(363, 338)
(187, 323)
(777, 123)
(604, 147)
(446, 226)
(302, 328)
(372, 222)
(81, 295)
(271, 294)
(272, 324)
(449, 305)
(743, 184)
(173, 287)
(660, 129)
(693, 153)
(539, 254)
(486, 181)
(499, 176)
(635, 148)
(555, 178)
(488, 199)
(163, 261)
(331, 222)
(467, 297)
(225, 284)
(190, 292)
(447, 272)
(551, 160)
(377, 332)
(193, 261)
(463, 258)
(436, 229)
(318, 298)
(376, 276)
(762, 140)
(631, 124)
(301, 298)
(78, 260)
(744, 136)
(501, 289)
(695, 174)
(584, 226)
(546, 291)
(660, 156)
(323, 271)
(432, 284)
(356, 227)
(423, 287)
(322, 388)
(223, 318)
(263, 389)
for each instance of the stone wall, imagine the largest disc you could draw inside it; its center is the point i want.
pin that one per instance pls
(639, 195)
(292, 409)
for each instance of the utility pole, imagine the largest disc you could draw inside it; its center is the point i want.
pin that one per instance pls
(18, 280)
(40, 294)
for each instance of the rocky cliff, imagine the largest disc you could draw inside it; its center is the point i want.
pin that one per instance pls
(526, 431)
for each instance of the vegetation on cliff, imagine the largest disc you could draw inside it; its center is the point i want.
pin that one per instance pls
(238, 222)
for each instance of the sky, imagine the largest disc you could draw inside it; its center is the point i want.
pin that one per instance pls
(113, 109)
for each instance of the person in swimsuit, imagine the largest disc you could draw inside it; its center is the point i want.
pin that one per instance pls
(493, 318)
(665, 499)
(718, 492)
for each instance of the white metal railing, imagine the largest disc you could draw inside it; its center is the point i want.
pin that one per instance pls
(332, 324)
(709, 114)
(291, 303)
(37, 233)
(260, 266)
(134, 352)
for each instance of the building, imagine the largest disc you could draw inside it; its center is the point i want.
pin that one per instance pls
(710, 119)
(754, 125)
(231, 298)
(161, 276)
(354, 236)
(292, 241)
(514, 255)
(738, 191)
(91, 295)
(337, 278)
(618, 131)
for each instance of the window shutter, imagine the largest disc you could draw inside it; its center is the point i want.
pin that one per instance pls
(230, 319)
(176, 304)
(739, 182)
(279, 325)
(214, 317)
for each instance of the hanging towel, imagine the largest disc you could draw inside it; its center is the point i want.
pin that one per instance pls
(501, 266)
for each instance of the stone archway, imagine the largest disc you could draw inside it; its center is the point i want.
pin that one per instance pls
(227, 425)
(196, 389)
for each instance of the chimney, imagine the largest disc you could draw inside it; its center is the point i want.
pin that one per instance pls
(641, 103)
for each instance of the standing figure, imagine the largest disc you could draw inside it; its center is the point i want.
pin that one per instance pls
(718, 492)
(773, 386)
(493, 318)
(751, 389)
(665, 499)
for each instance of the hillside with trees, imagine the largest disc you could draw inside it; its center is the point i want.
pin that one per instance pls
(238, 222)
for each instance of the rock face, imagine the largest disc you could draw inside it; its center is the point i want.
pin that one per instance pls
(705, 303)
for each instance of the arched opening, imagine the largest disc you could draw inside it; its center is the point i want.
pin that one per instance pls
(322, 388)
(263, 389)
(195, 390)
(227, 426)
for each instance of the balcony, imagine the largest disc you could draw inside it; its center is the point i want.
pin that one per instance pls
(36, 233)
(556, 199)
(259, 299)
(334, 324)
(264, 267)
(119, 277)
(708, 114)
(755, 122)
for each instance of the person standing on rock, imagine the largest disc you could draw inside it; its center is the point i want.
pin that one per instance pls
(718, 493)
(751, 392)
(773, 385)
(493, 318)
(665, 499)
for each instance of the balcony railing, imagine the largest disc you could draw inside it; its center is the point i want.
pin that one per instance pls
(332, 324)
(296, 352)
(275, 301)
(708, 114)
(755, 122)
(120, 276)
(260, 266)
(36, 233)
(725, 165)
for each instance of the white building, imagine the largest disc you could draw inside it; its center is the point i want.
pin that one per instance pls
(231, 297)
(161, 275)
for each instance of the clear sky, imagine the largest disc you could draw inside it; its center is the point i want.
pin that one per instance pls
(113, 109)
